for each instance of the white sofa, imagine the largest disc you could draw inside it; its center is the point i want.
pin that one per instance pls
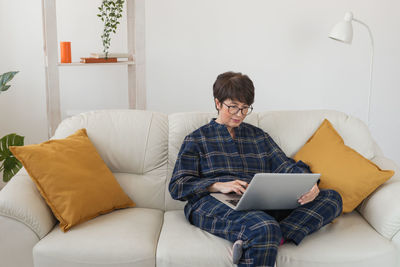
(140, 147)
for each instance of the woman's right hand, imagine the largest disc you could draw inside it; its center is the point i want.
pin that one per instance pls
(237, 186)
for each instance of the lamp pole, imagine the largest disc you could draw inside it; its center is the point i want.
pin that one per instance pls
(343, 31)
(371, 68)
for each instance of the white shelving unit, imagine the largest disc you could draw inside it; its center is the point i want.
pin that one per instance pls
(95, 64)
(135, 69)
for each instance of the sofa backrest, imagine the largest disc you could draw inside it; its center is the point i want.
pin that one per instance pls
(141, 147)
(289, 129)
(133, 144)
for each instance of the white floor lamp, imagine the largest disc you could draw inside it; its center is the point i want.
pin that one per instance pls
(343, 32)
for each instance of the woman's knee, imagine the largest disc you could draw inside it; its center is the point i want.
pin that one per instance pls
(265, 231)
(332, 198)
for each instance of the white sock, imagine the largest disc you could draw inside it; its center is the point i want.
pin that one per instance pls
(237, 251)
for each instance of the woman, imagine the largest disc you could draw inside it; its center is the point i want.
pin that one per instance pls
(223, 156)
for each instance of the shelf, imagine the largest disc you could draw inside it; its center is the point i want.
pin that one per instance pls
(135, 12)
(95, 64)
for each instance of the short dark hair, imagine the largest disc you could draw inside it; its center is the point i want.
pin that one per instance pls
(235, 86)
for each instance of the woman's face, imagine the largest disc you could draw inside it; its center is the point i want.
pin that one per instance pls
(227, 114)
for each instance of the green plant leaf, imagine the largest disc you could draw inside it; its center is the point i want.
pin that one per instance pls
(11, 165)
(7, 141)
(11, 168)
(111, 12)
(5, 78)
(4, 88)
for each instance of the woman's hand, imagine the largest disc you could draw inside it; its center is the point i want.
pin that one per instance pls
(309, 196)
(237, 186)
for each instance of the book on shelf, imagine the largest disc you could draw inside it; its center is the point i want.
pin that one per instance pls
(117, 55)
(98, 60)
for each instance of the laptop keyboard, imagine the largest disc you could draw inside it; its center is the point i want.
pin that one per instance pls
(234, 202)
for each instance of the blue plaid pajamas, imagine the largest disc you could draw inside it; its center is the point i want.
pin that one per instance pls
(210, 155)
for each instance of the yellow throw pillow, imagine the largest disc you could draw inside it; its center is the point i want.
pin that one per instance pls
(341, 167)
(72, 178)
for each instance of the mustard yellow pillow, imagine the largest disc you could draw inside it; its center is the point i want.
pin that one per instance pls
(342, 168)
(72, 178)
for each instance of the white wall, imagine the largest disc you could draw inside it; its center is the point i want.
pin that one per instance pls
(284, 48)
(281, 45)
(23, 106)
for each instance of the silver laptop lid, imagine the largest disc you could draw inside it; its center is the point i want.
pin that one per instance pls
(270, 191)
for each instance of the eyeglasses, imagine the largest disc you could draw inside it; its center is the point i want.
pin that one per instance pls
(235, 109)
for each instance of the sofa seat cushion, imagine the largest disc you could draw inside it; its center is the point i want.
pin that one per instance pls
(348, 242)
(182, 244)
(122, 238)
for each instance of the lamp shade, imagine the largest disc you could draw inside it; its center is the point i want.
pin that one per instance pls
(343, 30)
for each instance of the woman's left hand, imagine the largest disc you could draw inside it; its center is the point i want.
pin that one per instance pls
(309, 196)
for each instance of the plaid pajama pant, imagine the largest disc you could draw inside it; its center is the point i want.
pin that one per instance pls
(209, 155)
(261, 233)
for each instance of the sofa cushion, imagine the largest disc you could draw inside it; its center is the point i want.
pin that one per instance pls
(72, 178)
(341, 167)
(182, 244)
(122, 238)
(129, 141)
(145, 190)
(348, 242)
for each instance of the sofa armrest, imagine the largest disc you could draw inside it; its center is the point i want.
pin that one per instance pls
(382, 208)
(21, 201)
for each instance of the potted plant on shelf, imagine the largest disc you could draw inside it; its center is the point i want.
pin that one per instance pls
(8, 163)
(110, 14)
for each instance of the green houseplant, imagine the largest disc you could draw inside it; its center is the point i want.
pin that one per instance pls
(110, 14)
(8, 163)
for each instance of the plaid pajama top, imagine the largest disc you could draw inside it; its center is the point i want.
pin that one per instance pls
(209, 155)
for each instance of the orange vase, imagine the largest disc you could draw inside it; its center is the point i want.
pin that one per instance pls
(65, 49)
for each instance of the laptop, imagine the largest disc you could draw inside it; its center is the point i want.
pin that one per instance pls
(271, 191)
